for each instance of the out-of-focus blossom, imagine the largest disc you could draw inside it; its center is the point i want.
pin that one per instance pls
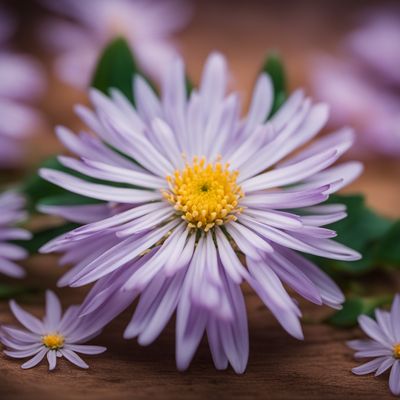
(383, 345)
(197, 196)
(147, 25)
(363, 87)
(53, 337)
(376, 43)
(22, 80)
(7, 25)
(11, 213)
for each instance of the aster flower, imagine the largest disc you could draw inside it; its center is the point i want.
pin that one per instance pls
(22, 80)
(212, 199)
(362, 86)
(146, 25)
(11, 213)
(383, 345)
(374, 42)
(55, 336)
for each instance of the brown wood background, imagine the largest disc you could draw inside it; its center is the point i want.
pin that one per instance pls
(279, 367)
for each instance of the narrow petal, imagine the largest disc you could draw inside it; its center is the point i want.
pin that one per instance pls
(24, 353)
(52, 359)
(35, 360)
(98, 191)
(368, 367)
(84, 349)
(373, 330)
(27, 320)
(74, 358)
(11, 269)
(386, 364)
(20, 335)
(53, 310)
(395, 313)
(394, 378)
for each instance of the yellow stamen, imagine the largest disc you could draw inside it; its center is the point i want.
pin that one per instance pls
(53, 341)
(205, 194)
(396, 350)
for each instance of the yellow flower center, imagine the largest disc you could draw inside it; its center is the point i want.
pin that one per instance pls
(205, 194)
(396, 350)
(53, 341)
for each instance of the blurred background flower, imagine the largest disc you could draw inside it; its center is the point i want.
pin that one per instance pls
(22, 81)
(88, 26)
(11, 213)
(363, 84)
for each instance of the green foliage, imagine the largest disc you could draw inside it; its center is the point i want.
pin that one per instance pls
(387, 251)
(274, 68)
(189, 86)
(116, 68)
(363, 230)
(377, 238)
(354, 307)
(41, 237)
(39, 191)
(11, 291)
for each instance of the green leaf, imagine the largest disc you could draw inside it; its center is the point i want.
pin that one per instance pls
(189, 86)
(356, 306)
(10, 291)
(116, 68)
(39, 191)
(362, 225)
(67, 198)
(274, 68)
(388, 249)
(40, 238)
(362, 230)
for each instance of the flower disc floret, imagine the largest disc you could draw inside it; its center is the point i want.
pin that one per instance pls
(53, 341)
(205, 194)
(396, 350)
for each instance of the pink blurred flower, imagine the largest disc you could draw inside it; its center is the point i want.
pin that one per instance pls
(22, 80)
(147, 25)
(363, 86)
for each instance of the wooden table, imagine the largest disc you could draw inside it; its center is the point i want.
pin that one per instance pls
(279, 367)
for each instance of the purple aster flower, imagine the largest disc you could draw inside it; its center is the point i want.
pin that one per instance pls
(363, 86)
(11, 213)
(212, 199)
(383, 345)
(374, 42)
(22, 80)
(55, 336)
(147, 25)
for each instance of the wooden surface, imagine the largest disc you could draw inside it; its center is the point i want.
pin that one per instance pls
(279, 367)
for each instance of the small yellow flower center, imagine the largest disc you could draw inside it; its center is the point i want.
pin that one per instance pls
(205, 194)
(396, 350)
(53, 341)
